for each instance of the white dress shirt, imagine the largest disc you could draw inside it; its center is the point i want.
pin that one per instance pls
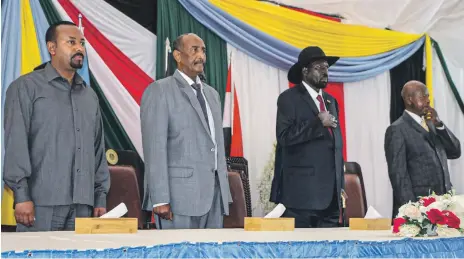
(314, 95)
(419, 119)
(210, 119)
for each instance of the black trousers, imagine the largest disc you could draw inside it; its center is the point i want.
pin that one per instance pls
(327, 218)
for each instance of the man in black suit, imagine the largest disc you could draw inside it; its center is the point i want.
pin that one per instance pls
(308, 177)
(417, 147)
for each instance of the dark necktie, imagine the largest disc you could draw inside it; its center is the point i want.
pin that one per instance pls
(202, 101)
(322, 108)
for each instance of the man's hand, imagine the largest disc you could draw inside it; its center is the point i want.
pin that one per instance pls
(97, 212)
(24, 213)
(327, 119)
(432, 115)
(163, 211)
(344, 195)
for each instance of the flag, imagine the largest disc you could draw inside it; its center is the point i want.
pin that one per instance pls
(168, 69)
(84, 70)
(231, 123)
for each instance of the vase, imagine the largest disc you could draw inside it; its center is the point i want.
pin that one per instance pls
(431, 230)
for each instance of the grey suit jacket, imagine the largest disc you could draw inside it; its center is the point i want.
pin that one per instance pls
(417, 159)
(178, 148)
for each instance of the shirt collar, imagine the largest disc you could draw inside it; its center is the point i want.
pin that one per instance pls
(416, 117)
(188, 79)
(311, 91)
(51, 74)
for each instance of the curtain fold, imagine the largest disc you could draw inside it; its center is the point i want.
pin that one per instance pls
(366, 111)
(410, 69)
(265, 46)
(448, 109)
(448, 76)
(174, 20)
(115, 135)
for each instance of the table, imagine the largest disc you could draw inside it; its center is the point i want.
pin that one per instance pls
(333, 242)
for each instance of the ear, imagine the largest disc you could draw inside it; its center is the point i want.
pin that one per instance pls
(51, 46)
(304, 71)
(176, 55)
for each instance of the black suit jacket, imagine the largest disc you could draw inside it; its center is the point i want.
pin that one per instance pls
(308, 161)
(417, 159)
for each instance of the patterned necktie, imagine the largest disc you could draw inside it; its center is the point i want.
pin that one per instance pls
(424, 125)
(202, 101)
(322, 108)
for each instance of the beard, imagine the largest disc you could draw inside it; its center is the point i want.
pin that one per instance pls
(319, 83)
(77, 64)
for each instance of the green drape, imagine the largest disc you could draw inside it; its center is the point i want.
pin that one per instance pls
(115, 135)
(174, 20)
(448, 76)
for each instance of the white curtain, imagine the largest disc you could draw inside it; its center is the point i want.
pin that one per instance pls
(367, 112)
(449, 111)
(258, 85)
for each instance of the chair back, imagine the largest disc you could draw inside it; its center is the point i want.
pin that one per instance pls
(237, 209)
(356, 205)
(124, 188)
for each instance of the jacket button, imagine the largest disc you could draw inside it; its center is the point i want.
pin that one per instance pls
(212, 149)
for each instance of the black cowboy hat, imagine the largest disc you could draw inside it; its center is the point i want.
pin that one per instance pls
(307, 55)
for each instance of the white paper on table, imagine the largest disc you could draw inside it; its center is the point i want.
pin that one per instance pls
(372, 213)
(276, 212)
(117, 212)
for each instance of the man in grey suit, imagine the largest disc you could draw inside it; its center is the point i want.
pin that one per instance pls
(417, 147)
(54, 145)
(186, 182)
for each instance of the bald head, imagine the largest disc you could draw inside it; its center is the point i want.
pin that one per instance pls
(415, 97)
(411, 88)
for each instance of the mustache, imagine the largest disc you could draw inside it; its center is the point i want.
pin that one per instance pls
(77, 54)
(200, 61)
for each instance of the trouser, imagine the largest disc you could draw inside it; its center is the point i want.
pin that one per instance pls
(212, 219)
(327, 218)
(56, 218)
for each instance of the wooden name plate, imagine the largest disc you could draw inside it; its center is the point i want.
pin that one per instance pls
(370, 224)
(106, 226)
(269, 224)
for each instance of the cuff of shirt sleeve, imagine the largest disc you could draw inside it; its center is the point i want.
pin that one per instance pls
(440, 128)
(159, 204)
(21, 195)
(100, 200)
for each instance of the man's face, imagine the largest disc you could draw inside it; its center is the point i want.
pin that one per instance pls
(192, 57)
(69, 47)
(316, 74)
(419, 100)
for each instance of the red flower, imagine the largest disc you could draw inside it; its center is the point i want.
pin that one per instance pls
(428, 201)
(451, 219)
(436, 217)
(397, 223)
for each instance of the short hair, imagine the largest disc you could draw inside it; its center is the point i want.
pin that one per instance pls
(50, 35)
(178, 44)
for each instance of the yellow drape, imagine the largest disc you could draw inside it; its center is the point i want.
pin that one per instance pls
(302, 30)
(30, 52)
(428, 70)
(30, 58)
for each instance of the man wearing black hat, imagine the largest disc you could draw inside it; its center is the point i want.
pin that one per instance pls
(308, 177)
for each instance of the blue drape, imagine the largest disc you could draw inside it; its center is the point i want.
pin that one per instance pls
(279, 54)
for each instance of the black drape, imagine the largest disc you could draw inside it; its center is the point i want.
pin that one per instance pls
(142, 11)
(410, 69)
